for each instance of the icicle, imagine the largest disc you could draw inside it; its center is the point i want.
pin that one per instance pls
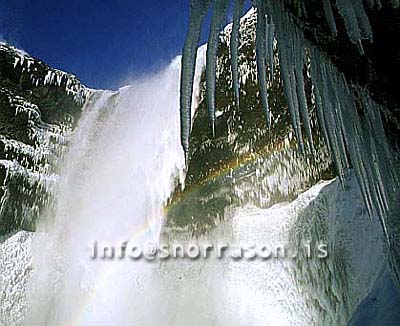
(301, 95)
(219, 15)
(329, 16)
(363, 20)
(378, 4)
(371, 3)
(260, 56)
(287, 46)
(394, 3)
(375, 121)
(362, 139)
(269, 44)
(327, 111)
(198, 10)
(320, 115)
(335, 97)
(351, 22)
(234, 45)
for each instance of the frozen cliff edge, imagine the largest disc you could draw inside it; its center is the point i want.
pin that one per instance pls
(39, 109)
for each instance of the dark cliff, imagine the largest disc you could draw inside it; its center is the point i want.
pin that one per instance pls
(39, 107)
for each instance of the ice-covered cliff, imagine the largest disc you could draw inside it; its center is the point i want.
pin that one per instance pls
(39, 107)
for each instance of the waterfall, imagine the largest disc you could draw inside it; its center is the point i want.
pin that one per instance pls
(123, 161)
(119, 171)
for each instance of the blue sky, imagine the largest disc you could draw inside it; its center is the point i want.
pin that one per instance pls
(103, 42)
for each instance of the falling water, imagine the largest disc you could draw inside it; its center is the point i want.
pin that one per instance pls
(119, 171)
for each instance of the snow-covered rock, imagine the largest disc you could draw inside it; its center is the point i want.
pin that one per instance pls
(39, 109)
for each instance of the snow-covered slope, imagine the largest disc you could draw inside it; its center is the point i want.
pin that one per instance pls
(281, 291)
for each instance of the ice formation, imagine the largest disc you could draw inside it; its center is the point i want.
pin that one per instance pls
(354, 140)
(29, 167)
(269, 46)
(31, 153)
(220, 10)
(55, 77)
(237, 12)
(198, 10)
(261, 57)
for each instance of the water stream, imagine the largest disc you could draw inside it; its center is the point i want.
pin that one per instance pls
(119, 171)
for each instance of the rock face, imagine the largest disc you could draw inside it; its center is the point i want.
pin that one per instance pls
(246, 161)
(377, 69)
(39, 106)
